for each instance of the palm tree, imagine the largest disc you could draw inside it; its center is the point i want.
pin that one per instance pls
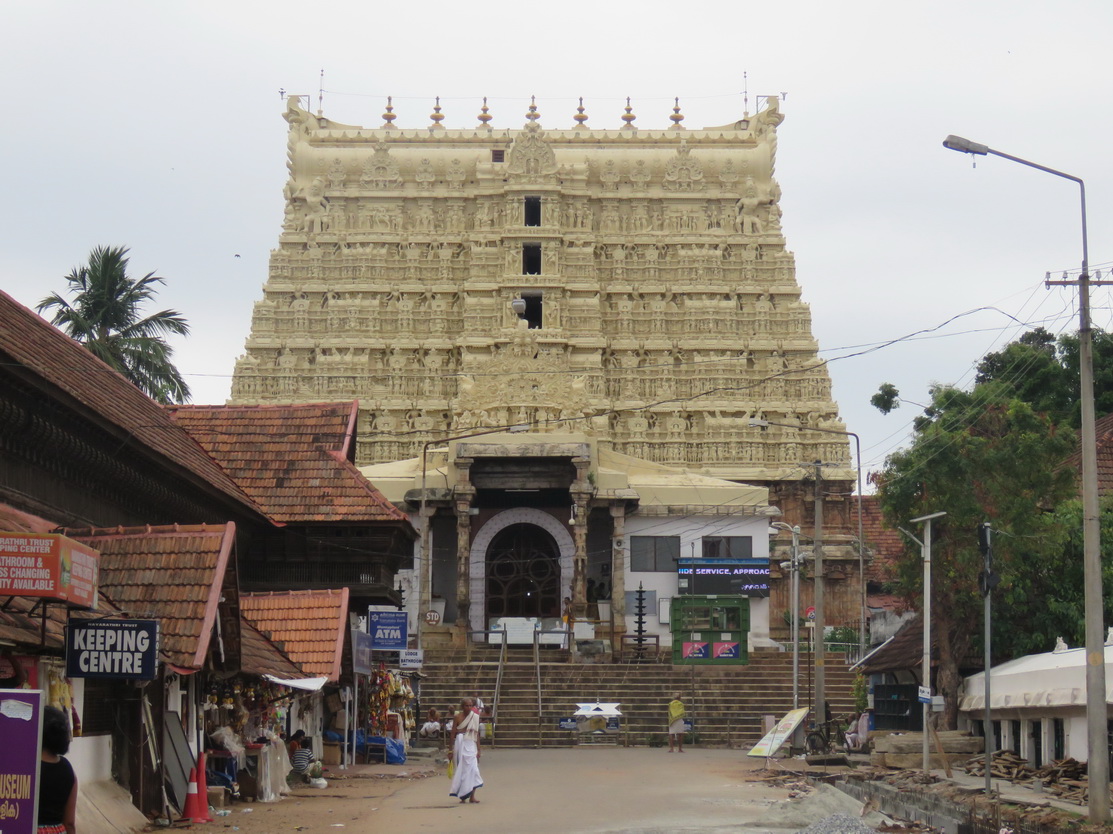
(105, 316)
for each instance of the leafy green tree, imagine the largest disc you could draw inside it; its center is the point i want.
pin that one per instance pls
(977, 456)
(1043, 372)
(106, 316)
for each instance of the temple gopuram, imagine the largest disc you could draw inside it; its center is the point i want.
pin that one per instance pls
(621, 293)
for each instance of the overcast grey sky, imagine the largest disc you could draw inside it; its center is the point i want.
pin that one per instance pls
(158, 126)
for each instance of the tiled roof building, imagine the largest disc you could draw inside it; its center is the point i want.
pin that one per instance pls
(178, 575)
(309, 626)
(100, 439)
(293, 460)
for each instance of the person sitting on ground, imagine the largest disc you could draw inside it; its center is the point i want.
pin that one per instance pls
(857, 734)
(295, 742)
(304, 766)
(432, 726)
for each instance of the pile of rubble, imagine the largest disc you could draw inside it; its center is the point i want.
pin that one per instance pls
(1065, 779)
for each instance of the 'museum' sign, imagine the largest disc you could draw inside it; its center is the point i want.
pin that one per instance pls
(48, 565)
(21, 729)
(112, 649)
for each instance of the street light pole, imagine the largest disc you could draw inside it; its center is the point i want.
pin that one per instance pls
(925, 669)
(795, 568)
(1097, 732)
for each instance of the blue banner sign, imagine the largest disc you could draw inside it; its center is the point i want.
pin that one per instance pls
(388, 630)
(117, 649)
(729, 577)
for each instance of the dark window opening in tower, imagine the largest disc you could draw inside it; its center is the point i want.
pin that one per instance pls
(533, 211)
(531, 259)
(498, 156)
(533, 313)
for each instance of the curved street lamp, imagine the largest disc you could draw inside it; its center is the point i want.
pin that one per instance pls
(1098, 753)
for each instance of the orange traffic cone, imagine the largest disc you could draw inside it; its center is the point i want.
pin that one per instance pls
(202, 781)
(196, 809)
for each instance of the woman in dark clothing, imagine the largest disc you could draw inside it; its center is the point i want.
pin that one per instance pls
(57, 782)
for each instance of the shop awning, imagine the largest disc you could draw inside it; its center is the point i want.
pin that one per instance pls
(308, 684)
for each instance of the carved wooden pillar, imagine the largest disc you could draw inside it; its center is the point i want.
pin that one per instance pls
(618, 569)
(463, 494)
(582, 492)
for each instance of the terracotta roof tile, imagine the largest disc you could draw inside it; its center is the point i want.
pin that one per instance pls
(310, 626)
(19, 625)
(172, 573)
(1103, 434)
(35, 346)
(886, 543)
(259, 656)
(904, 650)
(293, 460)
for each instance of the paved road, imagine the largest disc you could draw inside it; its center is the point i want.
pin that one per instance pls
(586, 789)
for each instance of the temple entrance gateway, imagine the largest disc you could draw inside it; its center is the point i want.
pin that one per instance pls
(523, 573)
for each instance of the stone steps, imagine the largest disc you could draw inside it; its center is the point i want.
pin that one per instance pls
(726, 703)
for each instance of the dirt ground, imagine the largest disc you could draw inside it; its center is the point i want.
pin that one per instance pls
(582, 789)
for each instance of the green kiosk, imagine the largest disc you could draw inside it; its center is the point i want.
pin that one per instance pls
(710, 615)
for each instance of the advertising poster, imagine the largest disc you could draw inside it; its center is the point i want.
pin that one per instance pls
(18, 671)
(361, 652)
(782, 732)
(21, 730)
(696, 650)
(48, 565)
(727, 650)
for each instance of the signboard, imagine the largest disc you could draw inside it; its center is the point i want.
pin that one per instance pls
(773, 740)
(432, 617)
(361, 652)
(126, 649)
(925, 694)
(695, 649)
(730, 577)
(388, 630)
(411, 658)
(567, 724)
(21, 728)
(809, 614)
(48, 565)
(729, 649)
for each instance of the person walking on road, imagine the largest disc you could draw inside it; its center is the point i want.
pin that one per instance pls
(676, 723)
(466, 779)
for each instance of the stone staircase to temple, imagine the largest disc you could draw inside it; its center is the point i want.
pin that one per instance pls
(727, 703)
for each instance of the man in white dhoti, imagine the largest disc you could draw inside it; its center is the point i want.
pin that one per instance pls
(466, 778)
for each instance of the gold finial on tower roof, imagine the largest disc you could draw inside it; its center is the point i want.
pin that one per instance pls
(628, 116)
(677, 117)
(437, 116)
(580, 116)
(388, 115)
(532, 113)
(485, 116)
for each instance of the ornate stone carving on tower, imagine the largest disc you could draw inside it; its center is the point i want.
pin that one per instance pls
(662, 309)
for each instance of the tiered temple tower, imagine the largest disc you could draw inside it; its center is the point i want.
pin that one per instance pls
(659, 306)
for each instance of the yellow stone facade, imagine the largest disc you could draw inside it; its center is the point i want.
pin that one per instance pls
(659, 306)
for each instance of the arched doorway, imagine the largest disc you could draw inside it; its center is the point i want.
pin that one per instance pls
(522, 577)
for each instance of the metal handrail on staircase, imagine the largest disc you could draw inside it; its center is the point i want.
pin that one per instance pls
(498, 675)
(537, 673)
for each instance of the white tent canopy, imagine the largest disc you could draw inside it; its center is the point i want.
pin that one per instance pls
(308, 684)
(1051, 679)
